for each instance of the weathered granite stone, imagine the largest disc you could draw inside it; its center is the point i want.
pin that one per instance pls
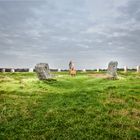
(31, 70)
(138, 68)
(12, 70)
(3, 70)
(43, 71)
(84, 70)
(59, 70)
(112, 69)
(125, 68)
(98, 69)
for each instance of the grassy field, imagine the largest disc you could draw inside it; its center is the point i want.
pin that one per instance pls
(71, 108)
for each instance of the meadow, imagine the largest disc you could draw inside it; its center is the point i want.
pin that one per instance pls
(85, 107)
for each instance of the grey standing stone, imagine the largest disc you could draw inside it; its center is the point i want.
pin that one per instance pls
(31, 70)
(43, 71)
(12, 70)
(3, 70)
(125, 68)
(138, 68)
(112, 69)
(84, 70)
(59, 70)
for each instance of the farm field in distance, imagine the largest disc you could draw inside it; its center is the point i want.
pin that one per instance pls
(84, 107)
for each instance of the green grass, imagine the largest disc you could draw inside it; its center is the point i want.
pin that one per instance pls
(70, 108)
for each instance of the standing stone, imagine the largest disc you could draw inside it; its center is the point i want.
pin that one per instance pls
(12, 70)
(59, 70)
(125, 68)
(31, 70)
(98, 69)
(84, 70)
(112, 69)
(43, 71)
(138, 68)
(3, 70)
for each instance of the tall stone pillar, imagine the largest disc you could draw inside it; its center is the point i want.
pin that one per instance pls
(84, 70)
(98, 69)
(12, 70)
(59, 70)
(3, 70)
(31, 70)
(138, 68)
(112, 69)
(125, 68)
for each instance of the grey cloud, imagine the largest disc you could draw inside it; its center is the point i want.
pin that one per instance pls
(89, 32)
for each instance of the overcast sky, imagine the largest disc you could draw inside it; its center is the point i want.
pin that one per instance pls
(89, 32)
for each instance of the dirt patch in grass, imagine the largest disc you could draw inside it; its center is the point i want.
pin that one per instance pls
(11, 96)
(122, 112)
(114, 101)
(5, 79)
(99, 75)
(105, 76)
(134, 113)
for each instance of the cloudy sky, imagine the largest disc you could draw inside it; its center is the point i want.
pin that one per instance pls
(89, 32)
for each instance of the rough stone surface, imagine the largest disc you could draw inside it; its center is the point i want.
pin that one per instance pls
(3, 70)
(84, 70)
(31, 70)
(59, 70)
(98, 69)
(112, 69)
(12, 70)
(125, 68)
(138, 68)
(43, 71)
